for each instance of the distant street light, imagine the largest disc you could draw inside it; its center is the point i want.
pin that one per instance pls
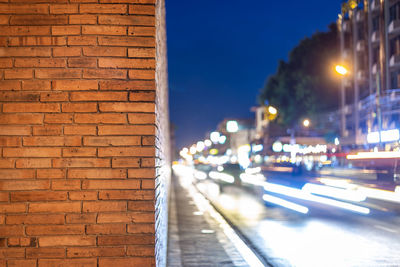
(306, 123)
(272, 110)
(232, 126)
(341, 69)
(214, 136)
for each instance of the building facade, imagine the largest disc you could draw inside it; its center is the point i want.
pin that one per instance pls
(370, 48)
(84, 134)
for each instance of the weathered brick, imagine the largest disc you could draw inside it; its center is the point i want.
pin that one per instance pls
(106, 229)
(47, 130)
(115, 184)
(21, 242)
(95, 252)
(64, 9)
(68, 240)
(79, 107)
(142, 52)
(57, 73)
(15, 174)
(58, 118)
(141, 206)
(35, 219)
(97, 173)
(112, 141)
(81, 162)
(19, 96)
(126, 41)
(12, 208)
(141, 31)
(127, 107)
(100, 118)
(140, 250)
(10, 85)
(55, 207)
(142, 173)
(7, 164)
(104, 206)
(127, 85)
(18, 263)
(37, 196)
(24, 30)
(31, 107)
(126, 152)
(32, 152)
(79, 152)
(7, 253)
(66, 51)
(24, 185)
(51, 173)
(82, 19)
(82, 40)
(148, 162)
(141, 118)
(36, 85)
(72, 85)
(38, 19)
(18, 74)
(40, 62)
(104, 30)
(83, 195)
(127, 20)
(99, 96)
(105, 51)
(133, 63)
(21, 118)
(138, 239)
(82, 62)
(33, 163)
(105, 74)
(36, 230)
(126, 194)
(81, 218)
(43, 253)
(142, 9)
(99, 9)
(68, 263)
(66, 185)
(66, 30)
(126, 262)
(148, 96)
(148, 140)
(37, 40)
(126, 129)
(24, 9)
(51, 141)
(24, 51)
(80, 130)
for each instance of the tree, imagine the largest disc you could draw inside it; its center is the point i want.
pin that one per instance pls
(304, 85)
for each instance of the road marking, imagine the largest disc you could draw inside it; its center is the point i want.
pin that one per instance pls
(385, 228)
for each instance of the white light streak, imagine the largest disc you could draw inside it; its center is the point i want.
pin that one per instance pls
(285, 203)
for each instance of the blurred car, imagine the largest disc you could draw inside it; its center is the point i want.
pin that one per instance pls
(226, 174)
(201, 171)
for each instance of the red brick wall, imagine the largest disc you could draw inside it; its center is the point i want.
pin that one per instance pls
(78, 131)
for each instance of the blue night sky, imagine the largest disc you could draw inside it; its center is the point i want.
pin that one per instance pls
(220, 53)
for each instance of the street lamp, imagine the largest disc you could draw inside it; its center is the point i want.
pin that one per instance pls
(342, 70)
(306, 123)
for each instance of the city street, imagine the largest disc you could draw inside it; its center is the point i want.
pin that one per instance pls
(325, 236)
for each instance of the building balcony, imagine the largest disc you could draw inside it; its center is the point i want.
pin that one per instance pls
(375, 5)
(375, 37)
(360, 75)
(394, 27)
(394, 61)
(346, 53)
(346, 26)
(360, 46)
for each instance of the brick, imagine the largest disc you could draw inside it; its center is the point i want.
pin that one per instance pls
(129, 1)
(104, 51)
(39, 62)
(38, 20)
(126, 262)
(58, 118)
(82, 19)
(142, 173)
(52, 241)
(35, 219)
(127, 20)
(106, 229)
(148, 162)
(33, 163)
(19, 96)
(22, 242)
(142, 52)
(82, 62)
(127, 85)
(79, 152)
(148, 184)
(112, 141)
(50, 173)
(100, 118)
(81, 162)
(95, 252)
(115, 184)
(24, 185)
(37, 196)
(127, 107)
(141, 206)
(83, 195)
(57, 73)
(68, 263)
(47, 130)
(141, 228)
(7, 163)
(148, 140)
(134, 63)
(51, 141)
(66, 51)
(24, 30)
(82, 40)
(36, 230)
(64, 9)
(141, 118)
(78, 85)
(142, 31)
(6, 253)
(17, 174)
(81, 218)
(104, 206)
(3, 41)
(126, 195)
(80, 130)
(31, 107)
(12, 208)
(36, 85)
(126, 41)
(79, 107)
(14, 230)
(105, 74)
(126, 152)
(126, 129)
(43, 253)
(138, 239)
(24, 51)
(149, 96)
(99, 96)
(18, 263)
(140, 250)
(54, 97)
(5, 63)
(55, 207)
(142, 9)
(4, 19)
(65, 30)
(37, 40)
(104, 30)
(10, 85)
(21, 118)
(97, 173)
(32, 152)
(66, 185)
(24, 9)
(18, 74)
(103, 9)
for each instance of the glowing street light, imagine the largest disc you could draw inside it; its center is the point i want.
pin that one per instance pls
(207, 142)
(232, 126)
(214, 136)
(272, 110)
(306, 123)
(341, 69)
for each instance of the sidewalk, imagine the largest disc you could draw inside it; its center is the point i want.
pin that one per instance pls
(194, 237)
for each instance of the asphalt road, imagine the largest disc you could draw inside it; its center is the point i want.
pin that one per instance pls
(325, 236)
